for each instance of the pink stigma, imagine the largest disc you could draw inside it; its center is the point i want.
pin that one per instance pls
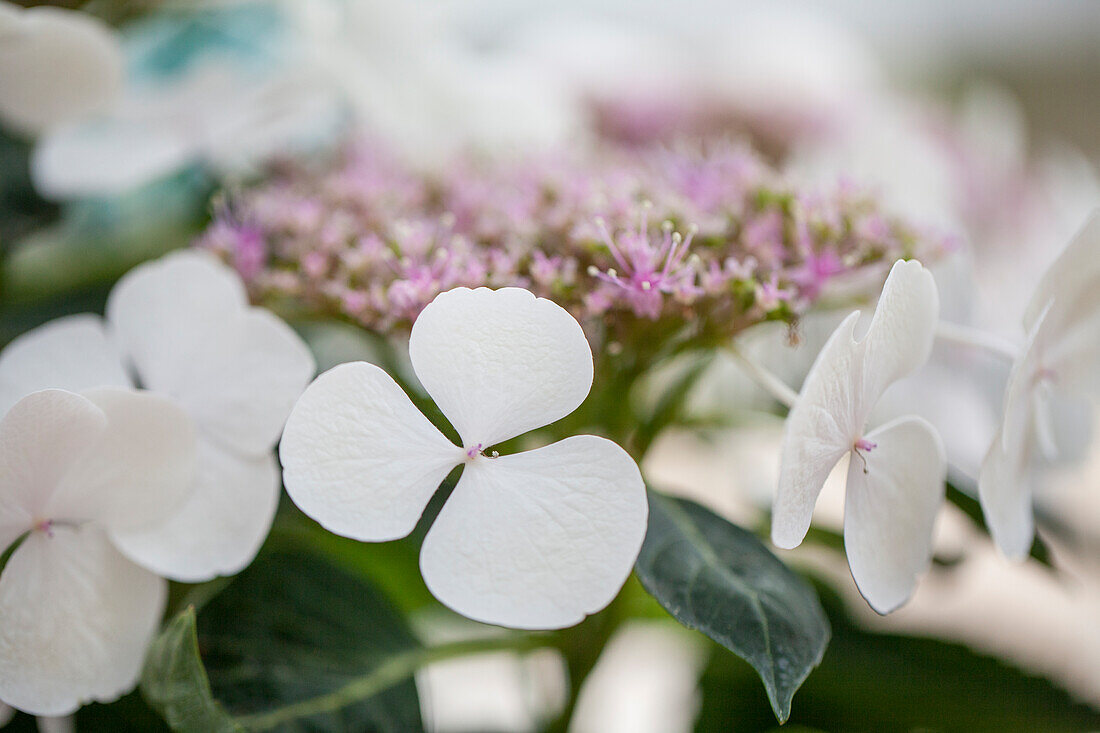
(471, 453)
(45, 525)
(865, 445)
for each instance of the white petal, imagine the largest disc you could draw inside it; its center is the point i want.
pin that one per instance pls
(161, 313)
(500, 362)
(359, 458)
(139, 471)
(1005, 493)
(820, 429)
(221, 525)
(1075, 270)
(236, 370)
(243, 383)
(1020, 392)
(900, 337)
(1071, 342)
(894, 493)
(951, 395)
(72, 353)
(78, 617)
(41, 438)
(1070, 422)
(107, 157)
(536, 540)
(56, 65)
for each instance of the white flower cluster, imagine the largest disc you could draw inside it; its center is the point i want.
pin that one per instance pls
(896, 472)
(140, 447)
(131, 450)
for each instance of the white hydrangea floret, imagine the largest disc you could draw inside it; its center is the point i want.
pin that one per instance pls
(181, 327)
(896, 472)
(1061, 359)
(535, 539)
(76, 473)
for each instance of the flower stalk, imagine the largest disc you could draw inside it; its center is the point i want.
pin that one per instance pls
(957, 333)
(392, 672)
(767, 381)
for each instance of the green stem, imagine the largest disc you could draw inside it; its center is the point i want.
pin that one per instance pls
(391, 672)
(767, 381)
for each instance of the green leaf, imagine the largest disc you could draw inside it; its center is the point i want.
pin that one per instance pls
(294, 644)
(890, 682)
(175, 683)
(720, 579)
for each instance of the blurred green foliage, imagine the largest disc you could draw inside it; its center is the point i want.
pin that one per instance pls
(290, 628)
(871, 681)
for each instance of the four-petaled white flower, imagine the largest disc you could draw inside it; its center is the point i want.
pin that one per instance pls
(896, 472)
(531, 540)
(1061, 358)
(77, 472)
(181, 327)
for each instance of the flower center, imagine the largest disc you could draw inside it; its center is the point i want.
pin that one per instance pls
(1045, 375)
(43, 525)
(478, 451)
(862, 446)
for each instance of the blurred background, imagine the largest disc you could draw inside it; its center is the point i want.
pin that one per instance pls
(979, 118)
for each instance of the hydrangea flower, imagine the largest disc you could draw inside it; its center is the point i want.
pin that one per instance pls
(77, 472)
(1061, 357)
(56, 66)
(222, 88)
(626, 238)
(182, 327)
(535, 539)
(896, 472)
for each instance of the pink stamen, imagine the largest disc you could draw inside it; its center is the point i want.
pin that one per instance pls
(609, 241)
(471, 453)
(44, 525)
(865, 445)
(1046, 374)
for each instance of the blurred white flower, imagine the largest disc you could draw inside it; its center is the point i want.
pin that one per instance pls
(56, 66)
(781, 62)
(946, 393)
(896, 472)
(181, 327)
(1061, 359)
(887, 146)
(410, 80)
(216, 113)
(531, 540)
(77, 472)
